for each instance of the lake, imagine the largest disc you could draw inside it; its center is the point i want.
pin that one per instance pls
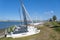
(8, 24)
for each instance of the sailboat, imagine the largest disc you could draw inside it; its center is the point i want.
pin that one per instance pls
(25, 29)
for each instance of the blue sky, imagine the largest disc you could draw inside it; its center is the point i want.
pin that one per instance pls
(42, 9)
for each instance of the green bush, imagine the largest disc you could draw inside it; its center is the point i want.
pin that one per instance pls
(57, 29)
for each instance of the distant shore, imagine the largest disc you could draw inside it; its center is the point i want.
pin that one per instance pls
(18, 21)
(10, 21)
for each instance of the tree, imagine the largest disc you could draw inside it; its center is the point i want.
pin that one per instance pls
(50, 19)
(54, 18)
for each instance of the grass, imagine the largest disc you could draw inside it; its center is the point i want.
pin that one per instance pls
(56, 26)
(57, 29)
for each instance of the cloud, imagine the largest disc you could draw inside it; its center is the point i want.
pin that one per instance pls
(49, 13)
(52, 11)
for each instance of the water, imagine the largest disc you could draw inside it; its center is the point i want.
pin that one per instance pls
(8, 24)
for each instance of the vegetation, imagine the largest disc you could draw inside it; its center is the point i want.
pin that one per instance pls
(57, 29)
(50, 19)
(54, 18)
(55, 25)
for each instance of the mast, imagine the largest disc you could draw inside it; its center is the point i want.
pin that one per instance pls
(24, 15)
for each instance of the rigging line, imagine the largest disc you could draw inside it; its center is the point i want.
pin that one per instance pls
(20, 15)
(27, 13)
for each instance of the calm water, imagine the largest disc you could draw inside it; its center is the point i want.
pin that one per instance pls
(8, 24)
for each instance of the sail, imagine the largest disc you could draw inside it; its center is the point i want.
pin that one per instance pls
(26, 15)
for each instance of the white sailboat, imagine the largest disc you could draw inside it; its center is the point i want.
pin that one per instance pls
(24, 30)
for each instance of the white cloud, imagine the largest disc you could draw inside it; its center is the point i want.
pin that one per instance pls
(52, 11)
(49, 13)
